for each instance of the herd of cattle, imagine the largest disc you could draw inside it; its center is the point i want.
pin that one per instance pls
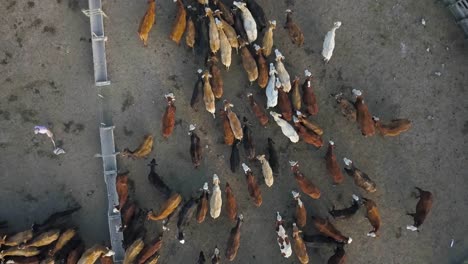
(212, 28)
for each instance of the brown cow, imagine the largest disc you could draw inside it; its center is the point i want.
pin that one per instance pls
(226, 49)
(258, 110)
(296, 95)
(168, 120)
(267, 42)
(332, 164)
(373, 215)
(132, 251)
(392, 129)
(423, 207)
(208, 96)
(252, 186)
(364, 117)
(167, 208)
(19, 252)
(301, 212)
(233, 121)
(180, 22)
(309, 124)
(229, 31)
(190, 31)
(262, 67)
(228, 134)
(327, 229)
(147, 22)
(213, 31)
(121, 186)
(284, 104)
(234, 240)
(295, 33)
(231, 204)
(154, 259)
(64, 238)
(18, 238)
(43, 239)
(360, 178)
(217, 84)
(299, 246)
(92, 254)
(202, 208)
(248, 62)
(308, 95)
(308, 137)
(142, 151)
(305, 185)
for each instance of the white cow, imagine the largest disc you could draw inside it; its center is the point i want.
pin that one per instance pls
(329, 42)
(283, 74)
(266, 170)
(286, 128)
(250, 25)
(283, 239)
(216, 200)
(271, 91)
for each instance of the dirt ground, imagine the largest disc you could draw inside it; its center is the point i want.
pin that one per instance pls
(382, 48)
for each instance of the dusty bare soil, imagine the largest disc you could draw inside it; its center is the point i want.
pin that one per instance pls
(382, 48)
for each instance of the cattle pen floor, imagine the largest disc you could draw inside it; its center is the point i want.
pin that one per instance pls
(405, 69)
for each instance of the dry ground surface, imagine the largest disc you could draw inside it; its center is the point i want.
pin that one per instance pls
(46, 76)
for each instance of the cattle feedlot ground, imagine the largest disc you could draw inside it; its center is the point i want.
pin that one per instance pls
(46, 76)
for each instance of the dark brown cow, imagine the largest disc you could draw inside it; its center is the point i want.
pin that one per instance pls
(308, 95)
(258, 110)
(195, 147)
(234, 240)
(295, 33)
(423, 207)
(231, 204)
(332, 164)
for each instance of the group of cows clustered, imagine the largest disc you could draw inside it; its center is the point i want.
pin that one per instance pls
(214, 25)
